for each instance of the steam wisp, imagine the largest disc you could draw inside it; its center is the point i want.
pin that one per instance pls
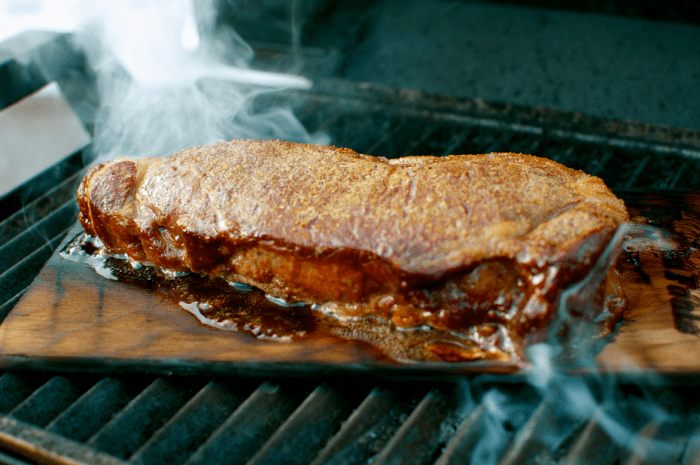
(168, 76)
(580, 298)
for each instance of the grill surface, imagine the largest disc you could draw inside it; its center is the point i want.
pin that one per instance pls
(140, 418)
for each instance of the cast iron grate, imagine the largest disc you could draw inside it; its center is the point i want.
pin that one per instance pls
(142, 418)
(146, 419)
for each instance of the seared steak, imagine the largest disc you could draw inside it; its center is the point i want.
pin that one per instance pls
(454, 243)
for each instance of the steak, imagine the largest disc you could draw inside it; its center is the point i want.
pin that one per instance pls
(463, 244)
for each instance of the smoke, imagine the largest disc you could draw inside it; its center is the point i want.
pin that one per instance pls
(168, 76)
(580, 298)
(561, 401)
(169, 79)
(542, 420)
(17, 16)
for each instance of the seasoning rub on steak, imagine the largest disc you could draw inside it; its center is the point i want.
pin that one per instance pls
(460, 243)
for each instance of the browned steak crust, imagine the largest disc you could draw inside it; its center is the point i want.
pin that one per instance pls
(450, 242)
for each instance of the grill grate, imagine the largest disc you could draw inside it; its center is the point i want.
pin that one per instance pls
(199, 420)
(141, 418)
(623, 162)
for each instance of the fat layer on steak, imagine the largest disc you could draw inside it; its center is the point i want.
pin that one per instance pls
(450, 242)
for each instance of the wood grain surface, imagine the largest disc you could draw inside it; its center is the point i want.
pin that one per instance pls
(72, 318)
(661, 331)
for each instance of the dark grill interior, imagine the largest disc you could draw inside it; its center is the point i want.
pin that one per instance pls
(428, 127)
(145, 418)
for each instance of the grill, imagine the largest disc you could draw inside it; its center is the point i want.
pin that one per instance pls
(141, 418)
(51, 417)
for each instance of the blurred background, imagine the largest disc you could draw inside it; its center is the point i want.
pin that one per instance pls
(637, 61)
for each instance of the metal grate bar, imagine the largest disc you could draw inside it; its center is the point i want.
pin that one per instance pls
(634, 173)
(192, 425)
(460, 448)
(96, 407)
(679, 173)
(419, 439)
(17, 278)
(16, 387)
(649, 447)
(52, 398)
(527, 443)
(368, 429)
(40, 446)
(250, 425)
(688, 179)
(452, 144)
(29, 237)
(691, 454)
(593, 446)
(599, 158)
(358, 139)
(344, 127)
(658, 172)
(500, 144)
(539, 437)
(144, 415)
(374, 131)
(319, 118)
(305, 432)
(41, 186)
(25, 217)
(574, 155)
(10, 304)
(668, 178)
(36, 236)
(480, 140)
(605, 140)
(389, 141)
(420, 138)
(436, 138)
(524, 143)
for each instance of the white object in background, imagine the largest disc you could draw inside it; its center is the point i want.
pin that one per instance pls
(35, 133)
